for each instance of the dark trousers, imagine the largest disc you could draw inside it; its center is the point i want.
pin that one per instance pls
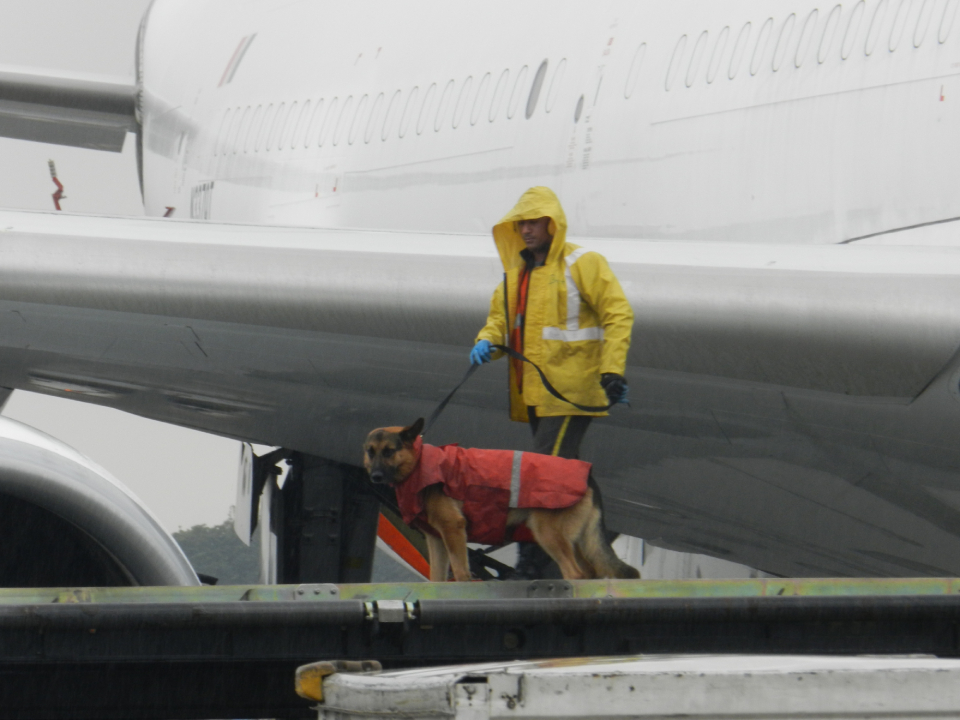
(559, 436)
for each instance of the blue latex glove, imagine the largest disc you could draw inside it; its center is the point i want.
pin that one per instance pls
(481, 352)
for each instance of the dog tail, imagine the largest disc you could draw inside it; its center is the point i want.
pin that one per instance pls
(594, 547)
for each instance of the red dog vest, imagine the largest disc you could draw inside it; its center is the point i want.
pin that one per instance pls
(489, 483)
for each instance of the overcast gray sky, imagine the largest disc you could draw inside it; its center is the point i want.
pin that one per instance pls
(184, 476)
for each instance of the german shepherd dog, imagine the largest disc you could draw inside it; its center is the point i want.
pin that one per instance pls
(573, 536)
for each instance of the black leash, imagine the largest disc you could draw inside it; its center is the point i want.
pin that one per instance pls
(516, 356)
(443, 403)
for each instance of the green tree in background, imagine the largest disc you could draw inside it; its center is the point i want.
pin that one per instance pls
(217, 551)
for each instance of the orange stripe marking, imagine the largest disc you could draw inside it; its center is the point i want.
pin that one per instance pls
(402, 547)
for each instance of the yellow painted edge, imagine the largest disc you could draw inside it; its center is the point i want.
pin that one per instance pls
(309, 679)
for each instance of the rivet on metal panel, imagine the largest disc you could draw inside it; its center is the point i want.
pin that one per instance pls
(317, 591)
(550, 589)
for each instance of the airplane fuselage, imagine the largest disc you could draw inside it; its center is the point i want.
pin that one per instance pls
(739, 121)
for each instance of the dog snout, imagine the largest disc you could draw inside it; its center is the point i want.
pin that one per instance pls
(377, 476)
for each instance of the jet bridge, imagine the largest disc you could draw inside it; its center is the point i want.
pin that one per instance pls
(232, 652)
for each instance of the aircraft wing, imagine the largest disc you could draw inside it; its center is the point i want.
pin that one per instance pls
(81, 110)
(794, 408)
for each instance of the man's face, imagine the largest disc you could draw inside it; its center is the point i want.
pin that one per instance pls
(536, 234)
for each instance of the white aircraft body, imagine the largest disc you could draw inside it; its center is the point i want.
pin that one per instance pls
(773, 182)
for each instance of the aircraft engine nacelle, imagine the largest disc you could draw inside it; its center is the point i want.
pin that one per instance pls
(64, 521)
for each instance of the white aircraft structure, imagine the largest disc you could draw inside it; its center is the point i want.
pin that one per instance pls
(774, 183)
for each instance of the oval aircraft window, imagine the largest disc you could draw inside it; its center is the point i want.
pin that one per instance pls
(374, 118)
(899, 23)
(288, 123)
(806, 38)
(534, 95)
(717, 57)
(280, 124)
(445, 99)
(923, 22)
(426, 107)
(234, 131)
(408, 110)
(696, 58)
(221, 134)
(739, 48)
(555, 83)
(254, 129)
(633, 74)
(829, 32)
(328, 121)
(264, 127)
(358, 118)
(786, 32)
(392, 108)
(237, 140)
(231, 131)
(517, 93)
(315, 121)
(763, 39)
(301, 125)
(498, 92)
(873, 33)
(227, 127)
(461, 107)
(345, 116)
(853, 29)
(946, 22)
(275, 127)
(480, 99)
(675, 59)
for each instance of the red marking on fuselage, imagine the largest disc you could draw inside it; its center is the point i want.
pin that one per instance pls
(233, 59)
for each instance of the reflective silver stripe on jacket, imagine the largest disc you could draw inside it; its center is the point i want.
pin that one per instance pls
(515, 479)
(573, 331)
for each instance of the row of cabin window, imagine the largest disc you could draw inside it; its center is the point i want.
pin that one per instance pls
(898, 10)
(249, 130)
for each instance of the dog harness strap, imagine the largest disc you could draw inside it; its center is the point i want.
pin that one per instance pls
(515, 479)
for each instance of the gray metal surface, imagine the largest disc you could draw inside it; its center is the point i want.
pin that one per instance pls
(66, 111)
(797, 419)
(47, 474)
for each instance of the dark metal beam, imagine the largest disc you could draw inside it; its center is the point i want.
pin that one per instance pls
(236, 659)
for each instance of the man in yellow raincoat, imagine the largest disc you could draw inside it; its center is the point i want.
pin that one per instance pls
(562, 307)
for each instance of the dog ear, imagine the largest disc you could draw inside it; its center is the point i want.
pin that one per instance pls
(409, 434)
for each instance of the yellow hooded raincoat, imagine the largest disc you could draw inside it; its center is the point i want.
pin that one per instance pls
(578, 321)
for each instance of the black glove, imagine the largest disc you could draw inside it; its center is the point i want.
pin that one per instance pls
(615, 386)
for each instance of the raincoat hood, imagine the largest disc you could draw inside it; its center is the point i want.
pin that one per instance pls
(537, 202)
